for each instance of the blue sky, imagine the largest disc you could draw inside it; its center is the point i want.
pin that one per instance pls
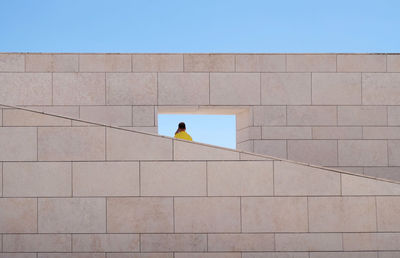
(206, 26)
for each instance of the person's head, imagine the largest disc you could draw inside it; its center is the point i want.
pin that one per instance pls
(181, 127)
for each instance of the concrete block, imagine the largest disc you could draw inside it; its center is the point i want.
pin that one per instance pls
(381, 89)
(183, 88)
(371, 241)
(241, 242)
(276, 255)
(72, 215)
(18, 215)
(142, 129)
(248, 133)
(71, 255)
(104, 63)
(235, 88)
(308, 242)
(68, 111)
(286, 88)
(311, 63)
(18, 144)
(173, 243)
(380, 133)
(362, 115)
(209, 63)
(18, 117)
(318, 152)
(207, 255)
(1, 184)
(140, 255)
(240, 178)
(37, 243)
(394, 115)
(386, 254)
(342, 214)
(79, 89)
(157, 63)
(363, 153)
(356, 185)
(269, 115)
(297, 180)
(247, 156)
(391, 173)
(325, 133)
(131, 88)
(191, 151)
(51, 63)
(12, 63)
(245, 146)
(336, 88)
(18, 255)
(110, 115)
(105, 178)
(207, 214)
(125, 145)
(394, 152)
(356, 170)
(277, 132)
(273, 148)
(344, 255)
(274, 214)
(71, 143)
(361, 63)
(173, 178)
(244, 119)
(393, 63)
(105, 242)
(25, 88)
(143, 116)
(388, 208)
(311, 115)
(33, 179)
(260, 63)
(140, 215)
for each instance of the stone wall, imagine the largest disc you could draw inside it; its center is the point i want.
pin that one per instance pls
(335, 110)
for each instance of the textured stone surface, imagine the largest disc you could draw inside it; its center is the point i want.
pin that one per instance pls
(388, 209)
(18, 117)
(344, 255)
(355, 185)
(157, 63)
(208, 255)
(209, 63)
(276, 255)
(110, 115)
(311, 63)
(318, 152)
(337, 132)
(273, 148)
(260, 63)
(381, 89)
(308, 242)
(371, 241)
(37, 243)
(240, 242)
(361, 63)
(362, 115)
(189, 151)
(12, 63)
(71, 255)
(394, 152)
(18, 215)
(380, 133)
(311, 115)
(18, 144)
(394, 115)
(362, 153)
(105, 242)
(278, 132)
(393, 63)
(269, 115)
(104, 63)
(173, 242)
(143, 116)
(51, 63)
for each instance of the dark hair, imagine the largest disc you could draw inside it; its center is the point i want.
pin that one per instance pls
(181, 127)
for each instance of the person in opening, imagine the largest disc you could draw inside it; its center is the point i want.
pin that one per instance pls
(181, 132)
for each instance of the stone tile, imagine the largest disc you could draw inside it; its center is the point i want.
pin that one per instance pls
(344, 255)
(248, 133)
(394, 115)
(25, 88)
(71, 255)
(392, 173)
(173, 178)
(140, 215)
(72, 215)
(269, 115)
(173, 243)
(245, 146)
(78, 88)
(240, 178)
(388, 254)
(142, 129)
(356, 170)
(371, 241)
(12, 63)
(260, 63)
(240, 242)
(18, 255)
(388, 209)
(207, 214)
(19, 117)
(342, 214)
(394, 152)
(381, 89)
(33, 179)
(362, 115)
(248, 156)
(362, 153)
(297, 180)
(325, 133)
(110, 115)
(1, 186)
(18, 144)
(143, 116)
(317, 152)
(393, 63)
(37, 243)
(193, 151)
(105, 178)
(157, 63)
(286, 88)
(356, 185)
(126, 145)
(276, 255)
(209, 63)
(244, 119)
(277, 132)
(105, 242)
(51, 63)
(381, 133)
(311, 115)
(311, 63)
(131, 88)
(274, 214)
(67, 111)
(207, 255)
(140, 255)
(273, 148)
(71, 143)
(361, 63)
(309, 242)
(104, 63)
(18, 215)
(183, 88)
(336, 89)
(235, 88)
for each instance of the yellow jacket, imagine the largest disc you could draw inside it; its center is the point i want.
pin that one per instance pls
(183, 135)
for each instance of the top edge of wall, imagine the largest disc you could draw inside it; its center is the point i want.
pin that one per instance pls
(189, 53)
